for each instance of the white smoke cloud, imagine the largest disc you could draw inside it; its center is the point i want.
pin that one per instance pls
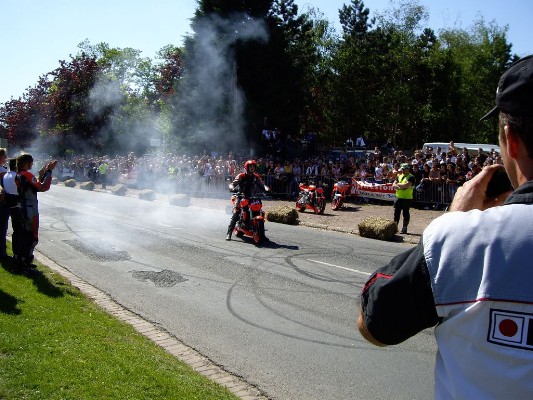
(213, 88)
(104, 94)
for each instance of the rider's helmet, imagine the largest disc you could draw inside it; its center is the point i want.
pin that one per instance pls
(248, 163)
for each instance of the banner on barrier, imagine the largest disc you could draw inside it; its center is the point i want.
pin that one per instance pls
(380, 191)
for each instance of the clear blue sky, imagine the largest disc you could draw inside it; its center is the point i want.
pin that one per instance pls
(36, 34)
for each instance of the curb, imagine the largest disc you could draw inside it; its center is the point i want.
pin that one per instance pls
(199, 363)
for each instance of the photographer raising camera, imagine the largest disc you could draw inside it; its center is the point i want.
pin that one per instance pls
(471, 273)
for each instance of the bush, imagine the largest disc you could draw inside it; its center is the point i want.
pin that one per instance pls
(181, 200)
(377, 228)
(119, 190)
(87, 185)
(283, 215)
(70, 183)
(147, 194)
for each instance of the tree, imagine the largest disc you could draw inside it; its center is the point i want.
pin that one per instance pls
(480, 56)
(355, 21)
(124, 98)
(170, 71)
(354, 72)
(68, 120)
(250, 63)
(319, 115)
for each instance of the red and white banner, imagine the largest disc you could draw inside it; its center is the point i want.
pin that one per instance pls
(380, 191)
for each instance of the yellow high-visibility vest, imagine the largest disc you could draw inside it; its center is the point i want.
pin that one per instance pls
(102, 169)
(404, 193)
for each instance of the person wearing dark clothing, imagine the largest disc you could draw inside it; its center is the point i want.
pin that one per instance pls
(28, 185)
(404, 185)
(247, 182)
(475, 292)
(4, 211)
(12, 203)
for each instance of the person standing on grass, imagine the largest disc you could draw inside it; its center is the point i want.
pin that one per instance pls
(12, 204)
(28, 186)
(478, 292)
(4, 211)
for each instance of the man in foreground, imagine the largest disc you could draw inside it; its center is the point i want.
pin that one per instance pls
(471, 273)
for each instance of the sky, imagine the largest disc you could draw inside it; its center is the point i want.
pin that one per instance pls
(37, 34)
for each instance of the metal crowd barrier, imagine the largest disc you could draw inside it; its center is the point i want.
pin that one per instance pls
(430, 194)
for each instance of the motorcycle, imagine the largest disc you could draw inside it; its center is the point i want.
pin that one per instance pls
(251, 219)
(338, 195)
(311, 197)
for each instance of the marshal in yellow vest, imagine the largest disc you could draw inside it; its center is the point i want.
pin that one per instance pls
(404, 193)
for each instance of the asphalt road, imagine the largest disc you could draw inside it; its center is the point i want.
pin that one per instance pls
(282, 316)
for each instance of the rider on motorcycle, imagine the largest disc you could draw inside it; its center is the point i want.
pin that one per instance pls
(246, 182)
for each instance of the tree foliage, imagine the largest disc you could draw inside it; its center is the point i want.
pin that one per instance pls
(251, 64)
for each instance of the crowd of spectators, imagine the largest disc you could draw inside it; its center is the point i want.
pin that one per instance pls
(438, 171)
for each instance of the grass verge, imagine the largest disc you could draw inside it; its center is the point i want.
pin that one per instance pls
(57, 344)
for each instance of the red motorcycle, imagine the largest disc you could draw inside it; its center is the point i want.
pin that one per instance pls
(251, 219)
(338, 195)
(311, 197)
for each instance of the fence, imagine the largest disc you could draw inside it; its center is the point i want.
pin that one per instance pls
(429, 194)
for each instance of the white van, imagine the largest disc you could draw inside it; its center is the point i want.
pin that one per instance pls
(472, 147)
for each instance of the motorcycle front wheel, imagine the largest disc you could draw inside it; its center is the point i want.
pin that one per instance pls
(259, 232)
(320, 205)
(336, 202)
(300, 203)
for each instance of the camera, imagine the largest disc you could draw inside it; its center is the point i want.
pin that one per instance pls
(498, 184)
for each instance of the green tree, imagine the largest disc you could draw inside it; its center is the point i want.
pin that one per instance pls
(481, 55)
(353, 72)
(321, 103)
(292, 62)
(125, 97)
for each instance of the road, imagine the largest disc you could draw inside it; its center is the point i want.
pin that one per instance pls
(282, 316)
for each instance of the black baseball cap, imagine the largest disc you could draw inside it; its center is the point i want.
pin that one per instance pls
(514, 94)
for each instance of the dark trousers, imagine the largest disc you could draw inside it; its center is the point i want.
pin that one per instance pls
(235, 218)
(30, 236)
(402, 206)
(17, 238)
(4, 220)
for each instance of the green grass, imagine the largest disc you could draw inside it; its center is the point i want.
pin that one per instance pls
(56, 344)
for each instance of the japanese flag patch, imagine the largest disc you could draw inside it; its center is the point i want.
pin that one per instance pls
(511, 329)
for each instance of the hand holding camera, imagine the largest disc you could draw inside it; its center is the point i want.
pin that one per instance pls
(487, 189)
(50, 166)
